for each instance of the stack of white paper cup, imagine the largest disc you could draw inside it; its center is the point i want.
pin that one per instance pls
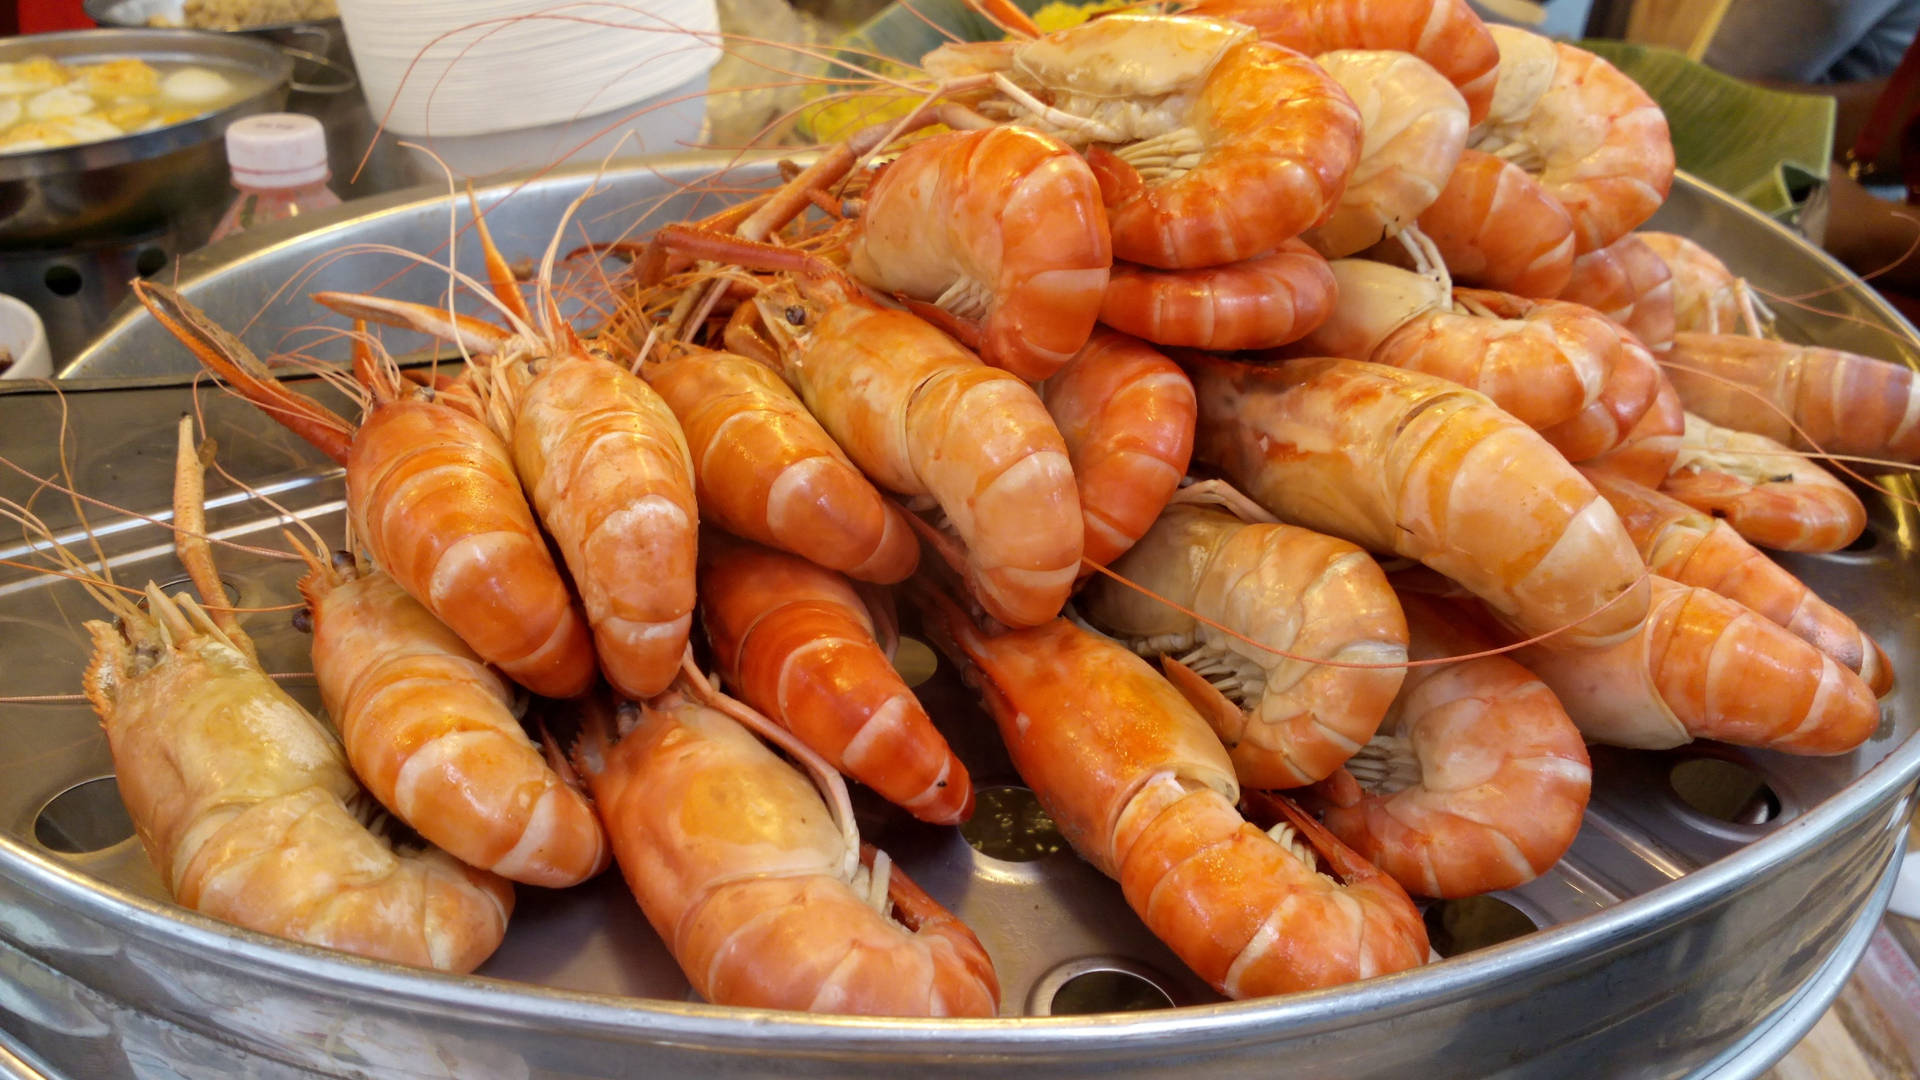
(490, 85)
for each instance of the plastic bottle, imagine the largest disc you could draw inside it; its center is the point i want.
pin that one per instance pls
(279, 163)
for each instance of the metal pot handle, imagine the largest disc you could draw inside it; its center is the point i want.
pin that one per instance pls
(347, 82)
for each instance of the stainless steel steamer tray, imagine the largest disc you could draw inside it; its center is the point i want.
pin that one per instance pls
(1669, 942)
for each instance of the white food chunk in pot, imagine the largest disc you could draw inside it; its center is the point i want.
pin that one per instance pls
(58, 102)
(194, 85)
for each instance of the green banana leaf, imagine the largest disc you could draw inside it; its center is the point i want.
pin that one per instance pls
(1761, 145)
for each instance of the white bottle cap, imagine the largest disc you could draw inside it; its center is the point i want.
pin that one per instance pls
(277, 150)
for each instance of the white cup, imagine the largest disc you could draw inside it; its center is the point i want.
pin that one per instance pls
(24, 336)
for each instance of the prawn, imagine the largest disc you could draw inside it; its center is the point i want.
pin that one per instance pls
(1210, 146)
(1477, 779)
(1287, 720)
(1652, 445)
(1629, 394)
(1706, 667)
(1769, 494)
(1542, 361)
(921, 416)
(245, 802)
(1142, 789)
(604, 462)
(1414, 126)
(1447, 34)
(1001, 228)
(1397, 461)
(1630, 284)
(739, 867)
(764, 468)
(431, 491)
(1707, 297)
(1596, 141)
(1126, 414)
(1258, 303)
(1822, 401)
(798, 644)
(1693, 548)
(432, 733)
(1495, 227)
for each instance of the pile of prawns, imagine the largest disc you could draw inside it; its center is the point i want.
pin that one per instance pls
(1178, 327)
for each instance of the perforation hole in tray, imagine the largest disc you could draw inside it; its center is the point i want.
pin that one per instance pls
(915, 661)
(86, 817)
(1866, 541)
(1474, 922)
(1724, 790)
(1097, 985)
(1009, 824)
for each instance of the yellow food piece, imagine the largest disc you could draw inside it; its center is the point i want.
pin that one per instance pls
(1059, 16)
(126, 77)
(849, 110)
(33, 74)
(127, 114)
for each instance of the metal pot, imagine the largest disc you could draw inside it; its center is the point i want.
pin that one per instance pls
(1670, 942)
(72, 195)
(318, 47)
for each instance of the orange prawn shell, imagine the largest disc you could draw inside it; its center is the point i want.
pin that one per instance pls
(1445, 33)
(1630, 284)
(1258, 303)
(1409, 463)
(1812, 399)
(922, 416)
(1142, 790)
(1497, 228)
(734, 861)
(1012, 209)
(470, 551)
(798, 643)
(1505, 773)
(765, 469)
(1693, 548)
(295, 863)
(1084, 763)
(431, 732)
(1282, 138)
(608, 468)
(1127, 415)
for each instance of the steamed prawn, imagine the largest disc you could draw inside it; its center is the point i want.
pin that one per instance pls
(431, 731)
(1477, 779)
(1693, 548)
(1286, 721)
(1210, 146)
(1447, 34)
(432, 493)
(1706, 667)
(1769, 494)
(922, 416)
(1596, 141)
(1401, 462)
(737, 864)
(797, 643)
(1142, 789)
(1126, 414)
(1004, 230)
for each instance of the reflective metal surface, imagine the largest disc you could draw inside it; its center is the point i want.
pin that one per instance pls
(96, 190)
(1674, 937)
(320, 43)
